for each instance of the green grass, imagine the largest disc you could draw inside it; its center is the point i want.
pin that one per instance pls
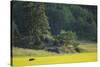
(88, 47)
(17, 52)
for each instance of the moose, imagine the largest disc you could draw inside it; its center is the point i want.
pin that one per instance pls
(31, 59)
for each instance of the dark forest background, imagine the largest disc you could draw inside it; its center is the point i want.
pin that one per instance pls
(37, 25)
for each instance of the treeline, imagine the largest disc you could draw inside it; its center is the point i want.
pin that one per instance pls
(81, 19)
(34, 23)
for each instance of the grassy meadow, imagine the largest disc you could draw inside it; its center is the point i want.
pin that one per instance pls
(21, 56)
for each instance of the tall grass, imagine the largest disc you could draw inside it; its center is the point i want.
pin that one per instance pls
(30, 52)
(88, 47)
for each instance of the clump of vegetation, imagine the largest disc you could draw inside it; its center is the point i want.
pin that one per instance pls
(70, 41)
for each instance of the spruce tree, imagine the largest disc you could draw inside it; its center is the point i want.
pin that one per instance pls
(40, 24)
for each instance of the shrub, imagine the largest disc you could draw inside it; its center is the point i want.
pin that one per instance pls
(70, 39)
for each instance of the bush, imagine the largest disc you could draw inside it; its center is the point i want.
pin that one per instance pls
(76, 44)
(70, 39)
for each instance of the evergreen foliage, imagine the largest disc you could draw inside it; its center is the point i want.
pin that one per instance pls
(34, 22)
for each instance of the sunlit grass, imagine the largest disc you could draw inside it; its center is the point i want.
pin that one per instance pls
(67, 58)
